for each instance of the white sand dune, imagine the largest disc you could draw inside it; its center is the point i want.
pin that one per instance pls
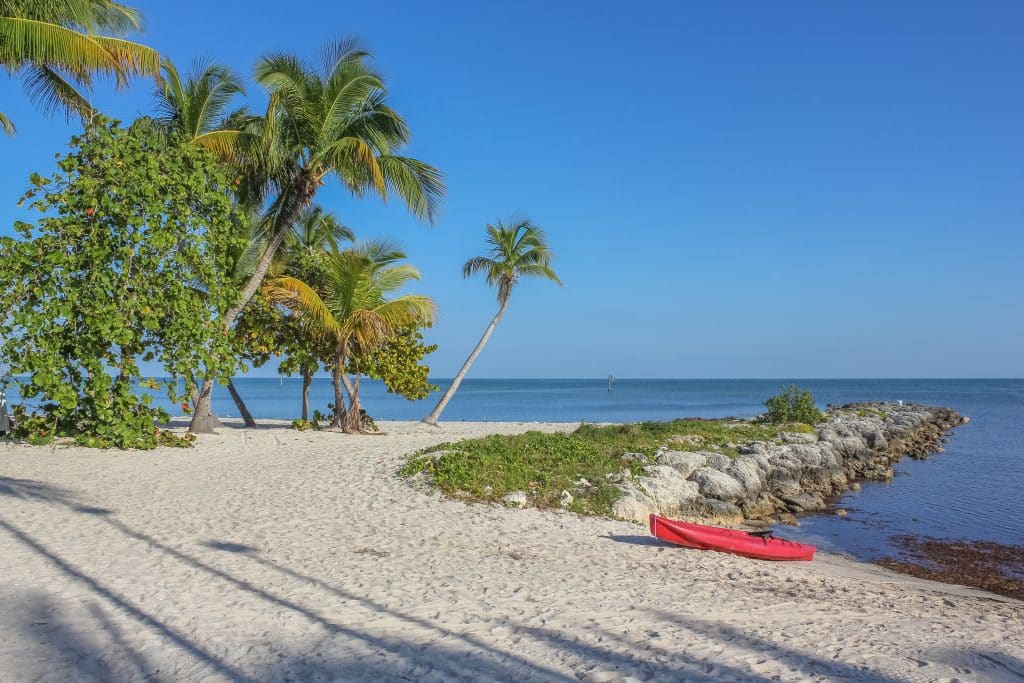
(272, 554)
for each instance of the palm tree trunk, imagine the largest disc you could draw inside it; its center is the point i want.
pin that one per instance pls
(242, 409)
(354, 417)
(201, 420)
(307, 382)
(432, 418)
(337, 378)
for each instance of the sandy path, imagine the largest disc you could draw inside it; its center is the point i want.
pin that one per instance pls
(277, 555)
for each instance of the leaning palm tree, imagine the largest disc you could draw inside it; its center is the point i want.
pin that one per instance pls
(356, 311)
(56, 47)
(517, 249)
(330, 119)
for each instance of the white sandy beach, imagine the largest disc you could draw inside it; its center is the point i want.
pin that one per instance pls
(272, 554)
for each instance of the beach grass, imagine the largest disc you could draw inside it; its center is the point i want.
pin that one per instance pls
(587, 463)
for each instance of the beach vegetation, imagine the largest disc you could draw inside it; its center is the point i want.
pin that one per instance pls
(58, 48)
(128, 263)
(588, 462)
(793, 404)
(517, 249)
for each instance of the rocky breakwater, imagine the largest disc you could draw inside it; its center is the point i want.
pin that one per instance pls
(791, 474)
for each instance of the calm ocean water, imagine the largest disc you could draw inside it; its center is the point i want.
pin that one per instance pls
(973, 490)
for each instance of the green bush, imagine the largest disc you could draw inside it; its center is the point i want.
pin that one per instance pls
(792, 405)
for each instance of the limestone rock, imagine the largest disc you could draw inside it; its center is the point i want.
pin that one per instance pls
(686, 462)
(714, 483)
(565, 500)
(667, 487)
(745, 470)
(804, 502)
(634, 506)
(718, 461)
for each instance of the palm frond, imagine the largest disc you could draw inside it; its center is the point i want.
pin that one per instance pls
(420, 185)
(223, 143)
(6, 124)
(478, 264)
(51, 92)
(132, 59)
(32, 41)
(392, 279)
(299, 297)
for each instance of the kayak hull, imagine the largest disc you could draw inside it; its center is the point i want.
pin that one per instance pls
(733, 541)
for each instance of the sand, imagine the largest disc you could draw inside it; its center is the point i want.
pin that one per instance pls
(272, 554)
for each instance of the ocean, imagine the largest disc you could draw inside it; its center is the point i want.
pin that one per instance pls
(971, 491)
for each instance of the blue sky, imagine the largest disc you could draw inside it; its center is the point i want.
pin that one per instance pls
(733, 189)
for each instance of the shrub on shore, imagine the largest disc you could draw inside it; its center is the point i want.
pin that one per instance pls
(792, 405)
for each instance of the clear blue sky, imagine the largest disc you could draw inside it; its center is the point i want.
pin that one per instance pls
(733, 189)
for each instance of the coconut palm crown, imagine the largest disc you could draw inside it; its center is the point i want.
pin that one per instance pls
(197, 106)
(517, 249)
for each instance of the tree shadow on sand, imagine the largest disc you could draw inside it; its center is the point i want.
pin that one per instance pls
(29, 489)
(461, 655)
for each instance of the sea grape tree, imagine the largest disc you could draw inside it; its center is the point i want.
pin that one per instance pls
(128, 263)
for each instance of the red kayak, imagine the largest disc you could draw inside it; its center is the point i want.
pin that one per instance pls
(758, 545)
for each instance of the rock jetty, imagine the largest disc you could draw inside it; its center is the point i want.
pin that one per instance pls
(796, 473)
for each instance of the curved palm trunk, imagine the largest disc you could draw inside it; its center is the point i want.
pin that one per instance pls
(204, 421)
(240, 404)
(307, 382)
(432, 418)
(354, 416)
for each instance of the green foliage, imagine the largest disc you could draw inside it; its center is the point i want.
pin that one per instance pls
(397, 363)
(792, 405)
(543, 465)
(126, 264)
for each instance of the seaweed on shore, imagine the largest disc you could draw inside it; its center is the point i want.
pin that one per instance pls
(988, 565)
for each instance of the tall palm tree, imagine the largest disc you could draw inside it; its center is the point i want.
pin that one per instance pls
(356, 310)
(325, 119)
(57, 48)
(518, 249)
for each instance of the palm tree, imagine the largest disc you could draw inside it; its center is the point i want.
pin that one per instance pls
(196, 107)
(323, 120)
(55, 46)
(356, 311)
(317, 232)
(517, 249)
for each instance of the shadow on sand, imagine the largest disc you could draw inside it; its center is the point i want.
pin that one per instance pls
(462, 656)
